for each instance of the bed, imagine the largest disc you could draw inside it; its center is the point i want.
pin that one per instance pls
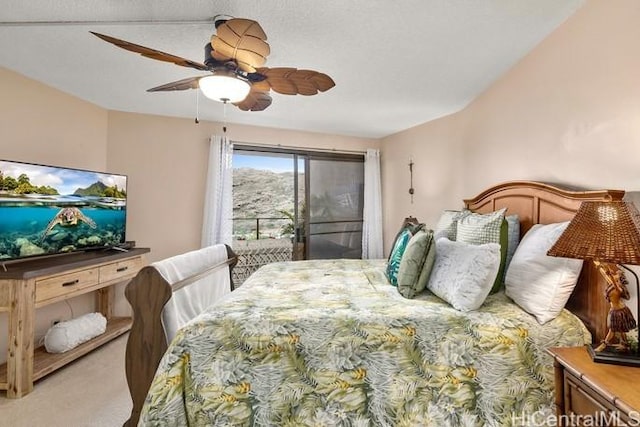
(330, 342)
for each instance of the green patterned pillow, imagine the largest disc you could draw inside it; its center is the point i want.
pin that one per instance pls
(478, 229)
(413, 228)
(396, 254)
(416, 264)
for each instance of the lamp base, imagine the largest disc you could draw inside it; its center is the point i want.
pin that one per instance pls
(614, 358)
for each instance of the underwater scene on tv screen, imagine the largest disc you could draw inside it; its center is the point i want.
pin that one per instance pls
(47, 209)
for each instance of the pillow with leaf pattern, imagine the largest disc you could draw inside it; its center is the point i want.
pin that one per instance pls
(399, 247)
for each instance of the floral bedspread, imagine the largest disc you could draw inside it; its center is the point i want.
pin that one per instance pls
(331, 343)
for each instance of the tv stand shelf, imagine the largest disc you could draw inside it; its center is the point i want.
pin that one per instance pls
(37, 282)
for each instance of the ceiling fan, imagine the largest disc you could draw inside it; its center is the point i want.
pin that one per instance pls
(235, 58)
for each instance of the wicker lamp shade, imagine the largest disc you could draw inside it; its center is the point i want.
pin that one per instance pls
(602, 231)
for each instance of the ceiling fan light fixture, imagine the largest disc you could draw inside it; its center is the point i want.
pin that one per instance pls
(224, 88)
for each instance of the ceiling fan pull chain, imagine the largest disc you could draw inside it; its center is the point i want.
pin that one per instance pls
(224, 117)
(197, 106)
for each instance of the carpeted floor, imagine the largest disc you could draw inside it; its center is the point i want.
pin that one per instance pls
(90, 392)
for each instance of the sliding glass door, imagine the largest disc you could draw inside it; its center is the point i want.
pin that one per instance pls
(295, 205)
(335, 195)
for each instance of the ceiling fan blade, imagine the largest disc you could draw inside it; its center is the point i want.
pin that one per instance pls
(291, 81)
(151, 53)
(184, 84)
(242, 40)
(257, 100)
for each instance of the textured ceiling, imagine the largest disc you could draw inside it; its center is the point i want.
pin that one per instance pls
(396, 64)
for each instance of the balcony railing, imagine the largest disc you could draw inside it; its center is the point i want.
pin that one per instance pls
(270, 239)
(262, 244)
(256, 220)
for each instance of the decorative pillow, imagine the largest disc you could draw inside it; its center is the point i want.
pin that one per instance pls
(463, 273)
(396, 254)
(446, 226)
(416, 264)
(538, 283)
(513, 237)
(478, 229)
(412, 227)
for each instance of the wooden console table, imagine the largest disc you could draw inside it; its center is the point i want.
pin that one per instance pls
(33, 283)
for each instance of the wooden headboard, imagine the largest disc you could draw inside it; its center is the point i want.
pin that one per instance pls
(538, 203)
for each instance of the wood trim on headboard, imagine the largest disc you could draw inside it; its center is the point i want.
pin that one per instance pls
(539, 203)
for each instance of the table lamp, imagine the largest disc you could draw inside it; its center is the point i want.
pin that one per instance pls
(608, 234)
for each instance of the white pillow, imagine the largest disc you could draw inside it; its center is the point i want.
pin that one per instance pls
(538, 283)
(463, 273)
(63, 336)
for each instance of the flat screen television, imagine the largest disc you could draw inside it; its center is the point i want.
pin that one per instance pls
(49, 210)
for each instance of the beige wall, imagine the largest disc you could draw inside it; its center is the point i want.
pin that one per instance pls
(166, 161)
(39, 124)
(569, 112)
(436, 151)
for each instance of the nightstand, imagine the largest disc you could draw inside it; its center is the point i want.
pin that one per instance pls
(589, 393)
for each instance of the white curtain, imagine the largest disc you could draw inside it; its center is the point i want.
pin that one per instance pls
(217, 225)
(372, 212)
